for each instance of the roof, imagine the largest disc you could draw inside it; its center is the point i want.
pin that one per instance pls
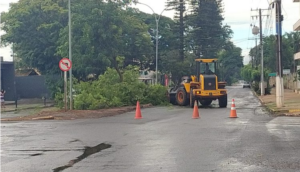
(26, 72)
(206, 60)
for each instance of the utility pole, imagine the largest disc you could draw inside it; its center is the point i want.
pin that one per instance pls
(70, 54)
(262, 87)
(279, 79)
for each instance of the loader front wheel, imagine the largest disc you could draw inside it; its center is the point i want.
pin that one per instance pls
(205, 102)
(181, 97)
(223, 101)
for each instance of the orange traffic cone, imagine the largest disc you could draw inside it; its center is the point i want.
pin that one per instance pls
(233, 110)
(138, 114)
(196, 112)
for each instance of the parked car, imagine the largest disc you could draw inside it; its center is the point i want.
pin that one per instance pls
(246, 85)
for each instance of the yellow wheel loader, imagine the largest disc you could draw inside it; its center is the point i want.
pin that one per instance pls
(202, 87)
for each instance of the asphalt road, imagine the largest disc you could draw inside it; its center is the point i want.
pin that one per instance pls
(166, 139)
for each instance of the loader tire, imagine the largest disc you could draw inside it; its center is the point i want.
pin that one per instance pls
(205, 102)
(173, 99)
(223, 101)
(181, 97)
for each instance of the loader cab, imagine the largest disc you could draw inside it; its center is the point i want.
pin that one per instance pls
(206, 67)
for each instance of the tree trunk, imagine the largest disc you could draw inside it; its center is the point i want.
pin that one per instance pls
(116, 65)
(181, 30)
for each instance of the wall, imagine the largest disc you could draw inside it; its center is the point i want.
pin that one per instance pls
(31, 87)
(288, 81)
(7, 80)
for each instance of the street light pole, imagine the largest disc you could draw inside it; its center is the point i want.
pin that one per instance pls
(262, 87)
(279, 79)
(70, 55)
(157, 18)
(156, 52)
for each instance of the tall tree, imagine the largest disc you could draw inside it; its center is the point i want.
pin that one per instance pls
(33, 28)
(231, 62)
(179, 28)
(290, 46)
(205, 22)
(166, 36)
(105, 35)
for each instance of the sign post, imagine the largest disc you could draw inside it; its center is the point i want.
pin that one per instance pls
(65, 90)
(65, 65)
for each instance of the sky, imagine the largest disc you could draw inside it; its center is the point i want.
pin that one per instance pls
(237, 14)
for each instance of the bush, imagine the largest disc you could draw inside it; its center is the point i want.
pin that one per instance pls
(107, 91)
(156, 95)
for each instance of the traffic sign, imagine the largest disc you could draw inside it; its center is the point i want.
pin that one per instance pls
(65, 64)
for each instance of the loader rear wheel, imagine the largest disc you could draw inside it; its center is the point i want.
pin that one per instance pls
(181, 97)
(223, 101)
(173, 99)
(172, 96)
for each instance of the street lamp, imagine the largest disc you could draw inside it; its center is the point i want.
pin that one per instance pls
(157, 18)
(255, 31)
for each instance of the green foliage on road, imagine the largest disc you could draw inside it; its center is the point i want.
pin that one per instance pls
(108, 91)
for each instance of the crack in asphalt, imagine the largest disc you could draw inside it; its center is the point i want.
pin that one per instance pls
(75, 140)
(36, 154)
(45, 150)
(87, 152)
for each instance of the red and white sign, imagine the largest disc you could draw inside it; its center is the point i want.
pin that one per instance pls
(65, 64)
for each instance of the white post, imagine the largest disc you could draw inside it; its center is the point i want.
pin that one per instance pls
(65, 90)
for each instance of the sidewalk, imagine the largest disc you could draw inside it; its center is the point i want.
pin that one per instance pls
(24, 107)
(291, 103)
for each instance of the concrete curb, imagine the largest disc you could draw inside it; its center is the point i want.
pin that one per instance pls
(44, 118)
(11, 110)
(260, 100)
(131, 109)
(289, 115)
(294, 110)
(277, 112)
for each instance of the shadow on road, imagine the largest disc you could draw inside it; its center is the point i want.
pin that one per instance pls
(87, 152)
